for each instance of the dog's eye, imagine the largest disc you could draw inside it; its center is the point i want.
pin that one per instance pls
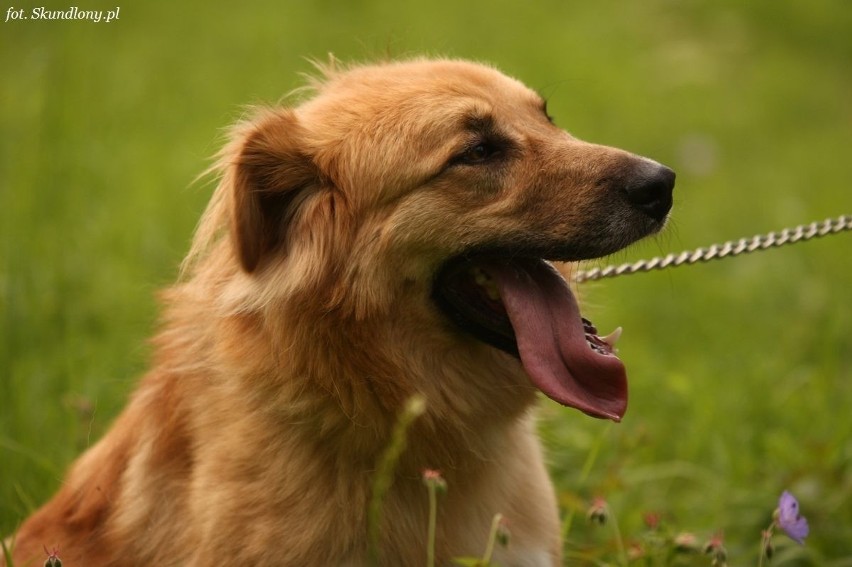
(478, 153)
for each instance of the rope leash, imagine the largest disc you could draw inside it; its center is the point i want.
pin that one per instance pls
(801, 233)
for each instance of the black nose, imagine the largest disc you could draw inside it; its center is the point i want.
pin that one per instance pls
(650, 190)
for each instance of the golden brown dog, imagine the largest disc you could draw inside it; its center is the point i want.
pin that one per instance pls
(387, 237)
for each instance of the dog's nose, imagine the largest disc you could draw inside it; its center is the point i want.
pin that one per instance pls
(651, 190)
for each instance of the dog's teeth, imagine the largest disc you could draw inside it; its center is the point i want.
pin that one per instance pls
(613, 337)
(492, 292)
(480, 277)
(483, 280)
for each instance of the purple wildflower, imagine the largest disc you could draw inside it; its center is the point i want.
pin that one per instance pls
(794, 524)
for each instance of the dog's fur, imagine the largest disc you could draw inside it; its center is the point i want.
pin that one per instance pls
(305, 320)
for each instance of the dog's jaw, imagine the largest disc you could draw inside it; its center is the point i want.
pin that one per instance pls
(553, 345)
(525, 307)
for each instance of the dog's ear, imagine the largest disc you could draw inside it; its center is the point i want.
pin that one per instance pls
(270, 172)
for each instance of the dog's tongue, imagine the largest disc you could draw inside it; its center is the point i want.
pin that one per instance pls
(552, 342)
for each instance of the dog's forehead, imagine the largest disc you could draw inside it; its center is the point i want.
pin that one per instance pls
(421, 84)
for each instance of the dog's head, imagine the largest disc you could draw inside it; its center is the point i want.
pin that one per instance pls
(437, 192)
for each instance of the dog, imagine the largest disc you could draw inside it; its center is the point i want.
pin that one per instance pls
(394, 234)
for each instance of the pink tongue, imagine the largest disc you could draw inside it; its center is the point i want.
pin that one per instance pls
(552, 343)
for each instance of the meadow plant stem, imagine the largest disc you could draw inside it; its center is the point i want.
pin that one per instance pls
(765, 542)
(7, 554)
(619, 542)
(592, 458)
(584, 476)
(492, 539)
(414, 408)
(433, 520)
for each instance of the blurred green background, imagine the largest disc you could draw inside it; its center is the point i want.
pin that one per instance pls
(741, 371)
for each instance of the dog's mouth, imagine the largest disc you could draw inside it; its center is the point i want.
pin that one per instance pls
(524, 307)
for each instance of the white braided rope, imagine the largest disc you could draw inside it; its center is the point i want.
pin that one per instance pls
(800, 233)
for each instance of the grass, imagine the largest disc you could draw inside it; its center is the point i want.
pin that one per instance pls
(383, 478)
(741, 371)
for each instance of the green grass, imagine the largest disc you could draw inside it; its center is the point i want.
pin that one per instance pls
(741, 371)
